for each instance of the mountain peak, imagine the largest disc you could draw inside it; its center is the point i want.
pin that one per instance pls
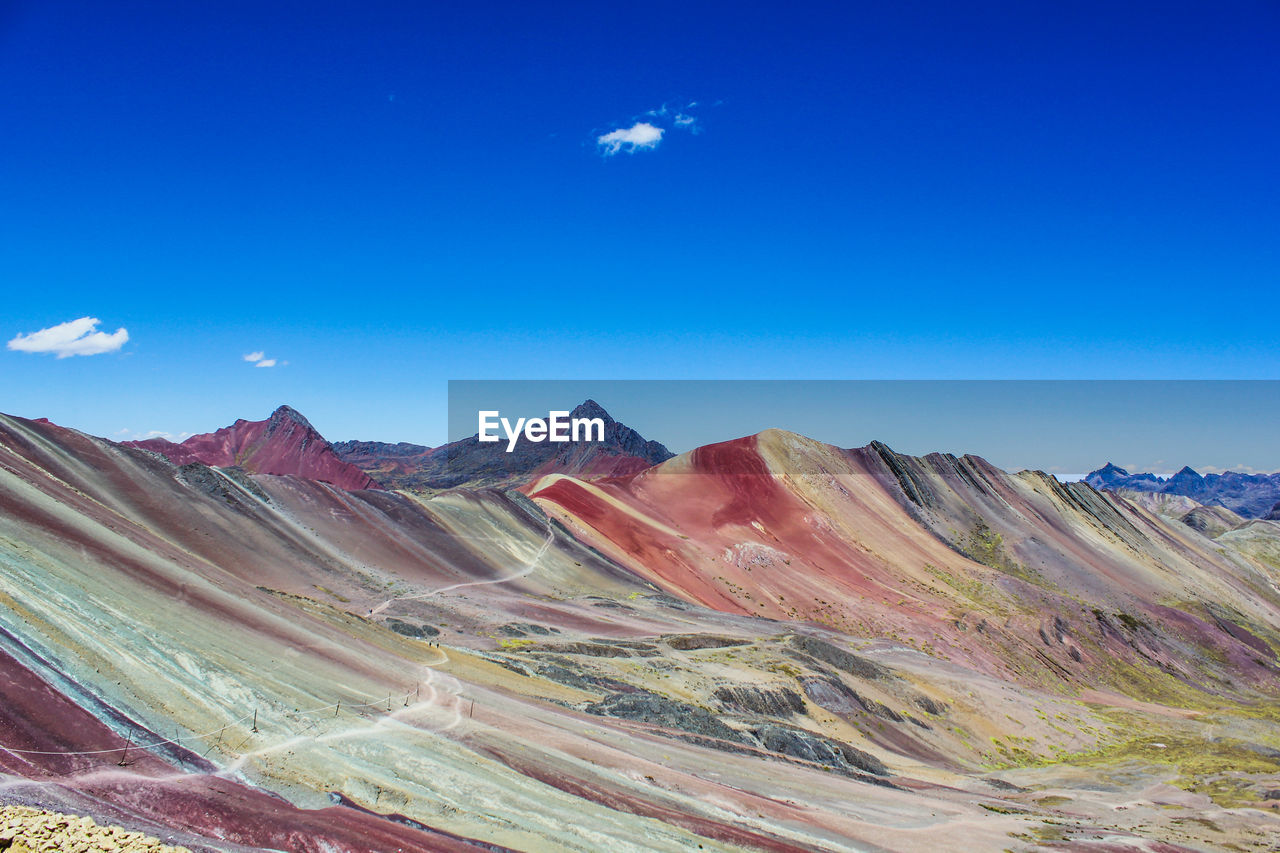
(284, 412)
(271, 446)
(467, 462)
(591, 409)
(1112, 476)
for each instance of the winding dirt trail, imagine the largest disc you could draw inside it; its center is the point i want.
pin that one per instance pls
(527, 570)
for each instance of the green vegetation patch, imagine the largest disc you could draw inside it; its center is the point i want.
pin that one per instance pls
(1218, 769)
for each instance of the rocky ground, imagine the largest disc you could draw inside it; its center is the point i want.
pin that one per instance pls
(24, 829)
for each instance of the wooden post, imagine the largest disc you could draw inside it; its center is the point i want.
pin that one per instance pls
(255, 721)
(215, 744)
(124, 759)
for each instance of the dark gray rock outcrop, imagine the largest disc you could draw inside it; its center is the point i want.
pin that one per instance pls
(839, 658)
(808, 746)
(775, 702)
(667, 713)
(840, 699)
(693, 642)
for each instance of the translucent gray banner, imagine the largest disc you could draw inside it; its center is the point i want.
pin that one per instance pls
(1066, 428)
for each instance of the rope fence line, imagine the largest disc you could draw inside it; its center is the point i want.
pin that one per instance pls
(527, 569)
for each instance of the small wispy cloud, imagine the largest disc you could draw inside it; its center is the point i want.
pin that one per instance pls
(1240, 468)
(139, 435)
(74, 337)
(259, 359)
(646, 130)
(638, 137)
(1161, 468)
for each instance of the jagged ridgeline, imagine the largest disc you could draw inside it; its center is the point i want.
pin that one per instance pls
(1246, 495)
(471, 463)
(765, 643)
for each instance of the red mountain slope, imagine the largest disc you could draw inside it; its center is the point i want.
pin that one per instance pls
(284, 444)
(1014, 574)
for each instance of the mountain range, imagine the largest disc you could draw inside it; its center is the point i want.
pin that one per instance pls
(469, 462)
(286, 444)
(767, 643)
(1248, 495)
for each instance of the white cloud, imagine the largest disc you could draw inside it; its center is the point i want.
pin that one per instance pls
(259, 359)
(168, 436)
(647, 129)
(75, 337)
(639, 136)
(1239, 468)
(127, 434)
(684, 121)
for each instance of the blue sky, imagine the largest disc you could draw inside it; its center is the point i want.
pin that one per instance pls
(390, 195)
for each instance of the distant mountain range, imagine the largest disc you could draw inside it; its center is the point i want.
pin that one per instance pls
(1247, 495)
(470, 463)
(286, 444)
